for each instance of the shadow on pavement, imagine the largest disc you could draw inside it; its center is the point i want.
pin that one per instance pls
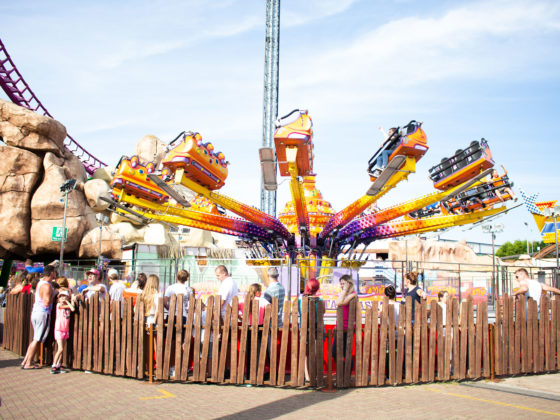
(284, 406)
(10, 362)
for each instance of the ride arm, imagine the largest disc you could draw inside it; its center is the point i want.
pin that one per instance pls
(344, 216)
(182, 221)
(214, 222)
(249, 213)
(398, 210)
(296, 188)
(409, 227)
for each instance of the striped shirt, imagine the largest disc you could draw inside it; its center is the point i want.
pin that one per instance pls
(276, 290)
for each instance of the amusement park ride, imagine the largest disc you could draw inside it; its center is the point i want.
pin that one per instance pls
(308, 226)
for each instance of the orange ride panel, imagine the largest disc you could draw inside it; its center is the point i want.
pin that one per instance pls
(132, 177)
(199, 160)
(295, 130)
(410, 141)
(414, 141)
(462, 166)
(480, 197)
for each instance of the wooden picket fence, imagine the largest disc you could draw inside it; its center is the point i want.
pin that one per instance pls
(111, 337)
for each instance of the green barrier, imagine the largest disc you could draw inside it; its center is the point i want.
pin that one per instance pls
(5, 274)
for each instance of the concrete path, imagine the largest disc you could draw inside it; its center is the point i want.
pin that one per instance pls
(38, 394)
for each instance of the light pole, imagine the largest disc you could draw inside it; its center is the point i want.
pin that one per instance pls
(66, 188)
(493, 229)
(101, 219)
(527, 225)
(554, 213)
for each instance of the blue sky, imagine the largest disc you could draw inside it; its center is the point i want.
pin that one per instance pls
(113, 72)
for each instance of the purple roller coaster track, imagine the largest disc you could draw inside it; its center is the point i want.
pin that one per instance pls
(20, 93)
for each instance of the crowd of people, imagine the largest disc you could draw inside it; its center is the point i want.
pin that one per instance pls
(57, 296)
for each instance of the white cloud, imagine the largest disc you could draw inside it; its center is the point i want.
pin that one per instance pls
(133, 50)
(480, 41)
(302, 12)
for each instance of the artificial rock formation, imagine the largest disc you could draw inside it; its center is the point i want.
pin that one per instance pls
(94, 189)
(34, 163)
(129, 233)
(19, 172)
(105, 174)
(47, 209)
(22, 128)
(150, 149)
(434, 251)
(111, 243)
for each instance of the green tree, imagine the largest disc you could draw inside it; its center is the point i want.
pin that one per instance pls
(518, 246)
(505, 250)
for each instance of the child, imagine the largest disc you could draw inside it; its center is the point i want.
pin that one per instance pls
(61, 328)
(150, 296)
(255, 292)
(391, 293)
(442, 297)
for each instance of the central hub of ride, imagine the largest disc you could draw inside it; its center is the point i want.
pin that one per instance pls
(319, 210)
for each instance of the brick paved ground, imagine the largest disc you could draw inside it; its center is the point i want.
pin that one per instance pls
(77, 394)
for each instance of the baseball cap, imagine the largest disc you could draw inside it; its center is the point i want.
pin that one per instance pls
(112, 272)
(93, 271)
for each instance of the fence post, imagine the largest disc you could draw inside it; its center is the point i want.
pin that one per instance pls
(459, 279)
(329, 361)
(339, 347)
(492, 348)
(151, 354)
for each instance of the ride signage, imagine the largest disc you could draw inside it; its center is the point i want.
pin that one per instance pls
(57, 234)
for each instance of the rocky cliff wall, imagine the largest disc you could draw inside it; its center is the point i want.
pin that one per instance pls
(33, 165)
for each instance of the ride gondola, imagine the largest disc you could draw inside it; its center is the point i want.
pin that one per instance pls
(132, 177)
(199, 160)
(295, 130)
(410, 140)
(481, 197)
(462, 166)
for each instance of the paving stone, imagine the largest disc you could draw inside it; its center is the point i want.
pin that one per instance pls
(38, 394)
